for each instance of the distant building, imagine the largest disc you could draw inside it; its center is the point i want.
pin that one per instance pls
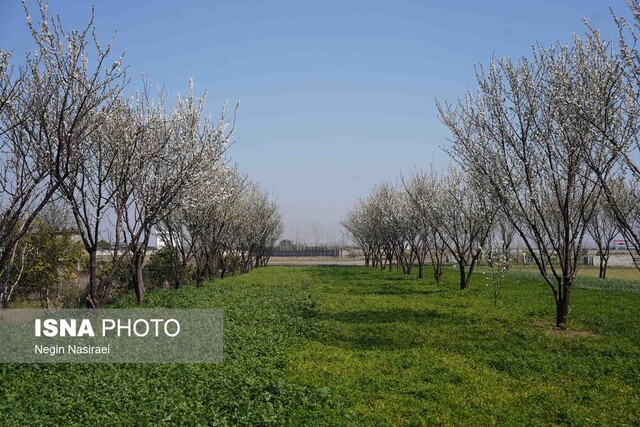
(619, 244)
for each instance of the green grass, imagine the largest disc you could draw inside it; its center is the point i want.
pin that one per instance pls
(355, 346)
(394, 350)
(265, 315)
(625, 273)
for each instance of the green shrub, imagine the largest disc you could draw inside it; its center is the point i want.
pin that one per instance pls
(158, 271)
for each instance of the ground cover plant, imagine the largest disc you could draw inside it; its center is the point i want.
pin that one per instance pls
(263, 316)
(357, 346)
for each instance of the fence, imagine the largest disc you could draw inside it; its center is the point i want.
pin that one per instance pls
(307, 252)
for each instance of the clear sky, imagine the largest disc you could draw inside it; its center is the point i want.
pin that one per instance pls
(336, 96)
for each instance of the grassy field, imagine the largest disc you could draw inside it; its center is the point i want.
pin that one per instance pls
(354, 346)
(622, 273)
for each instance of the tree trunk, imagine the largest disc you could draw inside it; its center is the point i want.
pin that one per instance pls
(5, 291)
(180, 275)
(472, 266)
(604, 260)
(93, 300)
(183, 273)
(463, 276)
(136, 274)
(562, 304)
(177, 269)
(436, 263)
(200, 268)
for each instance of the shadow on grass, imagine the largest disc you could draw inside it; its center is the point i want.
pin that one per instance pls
(357, 272)
(380, 330)
(395, 290)
(368, 281)
(391, 278)
(388, 330)
(400, 315)
(378, 340)
(339, 273)
(398, 290)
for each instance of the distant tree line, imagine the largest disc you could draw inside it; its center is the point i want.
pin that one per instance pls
(428, 215)
(547, 146)
(68, 133)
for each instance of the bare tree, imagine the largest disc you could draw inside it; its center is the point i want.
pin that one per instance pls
(10, 86)
(603, 228)
(463, 216)
(504, 233)
(231, 226)
(626, 194)
(214, 221)
(388, 224)
(498, 264)
(359, 229)
(262, 226)
(525, 146)
(24, 189)
(48, 114)
(271, 227)
(423, 190)
(617, 122)
(414, 232)
(178, 150)
(105, 165)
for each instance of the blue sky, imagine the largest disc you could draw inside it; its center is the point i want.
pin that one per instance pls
(335, 96)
